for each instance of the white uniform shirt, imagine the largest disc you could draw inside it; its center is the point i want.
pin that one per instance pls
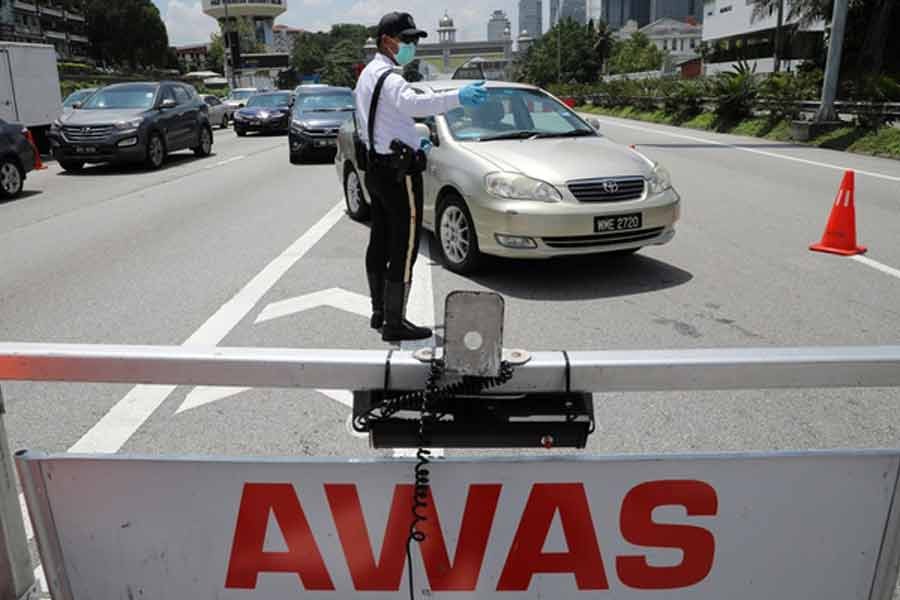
(398, 106)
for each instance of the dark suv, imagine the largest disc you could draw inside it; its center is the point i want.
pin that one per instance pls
(16, 159)
(133, 122)
(318, 114)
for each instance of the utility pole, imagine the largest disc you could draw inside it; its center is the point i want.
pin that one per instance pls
(228, 48)
(833, 69)
(558, 26)
(778, 36)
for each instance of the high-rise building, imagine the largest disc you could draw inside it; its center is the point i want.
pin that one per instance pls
(65, 27)
(617, 13)
(575, 10)
(498, 26)
(676, 9)
(554, 12)
(531, 17)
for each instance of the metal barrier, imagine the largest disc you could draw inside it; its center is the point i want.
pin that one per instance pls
(786, 525)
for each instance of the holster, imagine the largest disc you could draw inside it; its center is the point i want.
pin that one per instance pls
(406, 160)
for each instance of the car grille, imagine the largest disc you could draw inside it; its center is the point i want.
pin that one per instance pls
(320, 132)
(608, 189)
(96, 133)
(605, 239)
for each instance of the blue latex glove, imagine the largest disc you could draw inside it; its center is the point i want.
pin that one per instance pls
(473, 94)
(426, 146)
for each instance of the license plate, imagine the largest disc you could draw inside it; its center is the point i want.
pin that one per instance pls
(85, 149)
(618, 223)
(326, 143)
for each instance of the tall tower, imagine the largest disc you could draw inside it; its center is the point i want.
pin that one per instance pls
(498, 24)
(446, 30)
(554, 13)
(531, 17)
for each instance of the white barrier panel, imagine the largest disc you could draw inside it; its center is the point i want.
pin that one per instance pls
(793, 526)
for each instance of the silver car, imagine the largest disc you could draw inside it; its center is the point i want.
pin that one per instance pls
(523, 176)
(218, 112)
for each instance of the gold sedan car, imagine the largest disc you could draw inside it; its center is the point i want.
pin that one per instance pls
(523, 176)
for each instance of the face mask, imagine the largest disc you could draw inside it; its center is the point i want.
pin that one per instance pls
(406, 54)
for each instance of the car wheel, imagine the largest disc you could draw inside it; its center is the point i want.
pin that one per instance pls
(456, 236)
(239, 131)
(206, 142)
(71, 165)
(296, 158)
(11, 179)
(224, 124)
(354, 196)
(156, 151)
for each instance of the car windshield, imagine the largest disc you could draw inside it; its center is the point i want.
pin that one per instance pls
(511, 113)
(270, 100)
(126, 97)
(79, 96)
(325, 102)
(242, 94)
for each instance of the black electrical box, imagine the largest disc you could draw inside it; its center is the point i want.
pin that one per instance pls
(557, 420)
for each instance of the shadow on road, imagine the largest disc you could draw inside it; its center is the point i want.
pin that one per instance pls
(114, 169)
(579, 277)
(25, 194)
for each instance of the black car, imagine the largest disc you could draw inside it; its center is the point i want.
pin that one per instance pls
(133, 122)
(267, 112)
(16, 159)
(317, 116)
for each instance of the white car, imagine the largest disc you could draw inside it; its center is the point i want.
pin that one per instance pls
(218, 112)
(238, 99)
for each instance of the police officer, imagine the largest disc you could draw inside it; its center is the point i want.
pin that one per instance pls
(397, 159)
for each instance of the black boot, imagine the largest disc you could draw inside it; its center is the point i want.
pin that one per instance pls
(396, 327)
(376, 292)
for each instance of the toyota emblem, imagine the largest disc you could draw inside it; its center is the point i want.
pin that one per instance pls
(610, 187)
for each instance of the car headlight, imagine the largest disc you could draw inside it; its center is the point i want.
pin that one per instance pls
(512, 186)
(660, 179)
(298, 124)
(129, 124)
(56, 124)
(264, 114)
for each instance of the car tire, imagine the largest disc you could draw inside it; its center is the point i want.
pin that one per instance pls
(156, 152)
(456, 236)
(204, 148)
(240, 132)
(12, 179)
(296, 158)
(354, 197)
(72, 166)
(224, 123)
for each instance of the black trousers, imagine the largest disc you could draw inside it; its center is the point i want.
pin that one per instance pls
(396, 223)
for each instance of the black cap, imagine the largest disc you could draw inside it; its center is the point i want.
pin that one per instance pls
(399, 25)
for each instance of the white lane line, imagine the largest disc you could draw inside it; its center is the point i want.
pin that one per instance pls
(877, 265)
(132, 411)
(753, 150)
(225, 162)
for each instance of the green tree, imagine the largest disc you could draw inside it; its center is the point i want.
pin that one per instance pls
(869, 48)
(635, 54)
(127, 31)
(339, 63)
(568, 52)
(308, 56)
(215, 56)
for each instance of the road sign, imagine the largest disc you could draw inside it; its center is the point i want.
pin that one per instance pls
(811, 525)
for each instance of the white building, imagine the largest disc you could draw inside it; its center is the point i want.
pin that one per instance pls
(261, 13)
(734, 34)
(681, 39)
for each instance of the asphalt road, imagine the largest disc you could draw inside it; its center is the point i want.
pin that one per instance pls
(208, 251)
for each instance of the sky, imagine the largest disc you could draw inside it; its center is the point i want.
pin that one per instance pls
(187, 24)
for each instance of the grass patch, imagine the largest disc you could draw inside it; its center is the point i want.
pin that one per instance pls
(705, 121)
(884, 142)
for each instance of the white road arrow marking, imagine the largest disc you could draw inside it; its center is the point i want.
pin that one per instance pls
(334, 297)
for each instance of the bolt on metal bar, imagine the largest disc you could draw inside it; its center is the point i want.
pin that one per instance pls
(596, 371)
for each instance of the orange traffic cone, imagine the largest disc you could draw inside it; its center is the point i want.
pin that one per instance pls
(840, 233)
(38, 163)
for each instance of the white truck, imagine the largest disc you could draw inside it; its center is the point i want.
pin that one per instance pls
(29, 86)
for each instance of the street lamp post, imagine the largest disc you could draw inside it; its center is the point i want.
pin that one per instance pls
(228, 46)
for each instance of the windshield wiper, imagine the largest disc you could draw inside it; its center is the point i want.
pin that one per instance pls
(509, 135)
(575, 133)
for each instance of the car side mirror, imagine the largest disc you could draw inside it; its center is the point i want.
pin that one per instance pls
(425, 132)
(595, 123)
(76, 106)
(167, 104)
